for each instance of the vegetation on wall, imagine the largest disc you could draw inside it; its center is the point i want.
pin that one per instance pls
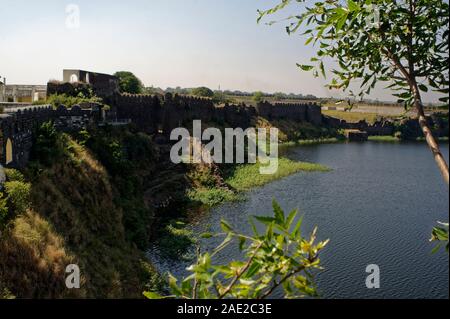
(129, 83)
(202, 92)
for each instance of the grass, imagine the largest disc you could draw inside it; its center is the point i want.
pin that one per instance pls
(212, 196)
(439, 139)
(319, 141)
(247, 176)
(244, 177)
(393, 139)
(175, 239)
(75, 199)
(352, 117)
(384, 138)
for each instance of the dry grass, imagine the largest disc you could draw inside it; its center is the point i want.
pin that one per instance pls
(73, 220)
(352, 117)
(33, 259)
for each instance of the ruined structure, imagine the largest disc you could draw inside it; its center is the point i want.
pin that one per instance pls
(19, 93)
(17, 129)
(104, 85)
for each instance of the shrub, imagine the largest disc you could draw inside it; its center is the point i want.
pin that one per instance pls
(14, 175)
(278, 258)
(203, 92)
(3, 211)
(48, 145)
(129, 83)
(258, 97)
(18, 195)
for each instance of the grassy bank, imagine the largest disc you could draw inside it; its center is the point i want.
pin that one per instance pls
(245, 177)
(241, 178)
(384, 138)
(394, 139)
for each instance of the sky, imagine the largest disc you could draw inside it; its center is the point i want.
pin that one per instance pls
(166, 43)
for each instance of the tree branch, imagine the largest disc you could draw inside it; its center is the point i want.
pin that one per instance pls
(240, 273)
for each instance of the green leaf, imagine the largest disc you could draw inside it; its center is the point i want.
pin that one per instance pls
(242, 241)
(152, 295)
(353, 6)
(309, 40)
(265, 220)
(341, 22)
(252, 270)
(296, 231)
(305, 67)
(225, 226)
(291, 218)
(279, 214)
(423, 87)
(322, 69)
(206, 235)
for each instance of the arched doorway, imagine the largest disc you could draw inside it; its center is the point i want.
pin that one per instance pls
(73, 78)
(9, 151)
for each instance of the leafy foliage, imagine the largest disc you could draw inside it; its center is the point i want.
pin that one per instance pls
(48, 145)
(129, 159)
(440, 234)
(18, 195)
(258, 97)
(403, 42)
(278, 258)
(67, 100)
(203, 92)
(129, 83)
(3, 210)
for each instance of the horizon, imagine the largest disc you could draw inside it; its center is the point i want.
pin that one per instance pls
(166, 44)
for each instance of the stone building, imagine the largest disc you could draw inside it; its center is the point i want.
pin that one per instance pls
(21, 93)
(104, 85)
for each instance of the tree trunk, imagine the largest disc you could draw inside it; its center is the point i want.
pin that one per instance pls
(438, 157)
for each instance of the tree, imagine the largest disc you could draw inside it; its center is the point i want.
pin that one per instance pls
(404, 43)
(258, 96)
(203, 92)
(129, 83)
(277, 258)
(279, 96)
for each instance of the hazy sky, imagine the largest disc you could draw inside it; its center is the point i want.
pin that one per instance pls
(165, 43)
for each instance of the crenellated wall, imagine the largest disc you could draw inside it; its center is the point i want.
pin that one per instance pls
(151, 114)
(17, 129)
(158, 113)
(16, 134)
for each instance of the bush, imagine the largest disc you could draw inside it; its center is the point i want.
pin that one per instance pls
(203, 92)
(3, 211)
(48, 145)
(129, 83)
(18, 195)
(258, 97)
(63, 99)
(14, 175)
(278, 259)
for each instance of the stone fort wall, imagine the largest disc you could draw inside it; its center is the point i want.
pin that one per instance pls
(151, 114)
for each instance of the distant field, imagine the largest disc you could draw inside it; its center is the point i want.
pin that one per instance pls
(248, 100)
(352, 117)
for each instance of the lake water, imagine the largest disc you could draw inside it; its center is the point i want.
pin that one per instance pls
(378, 205)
